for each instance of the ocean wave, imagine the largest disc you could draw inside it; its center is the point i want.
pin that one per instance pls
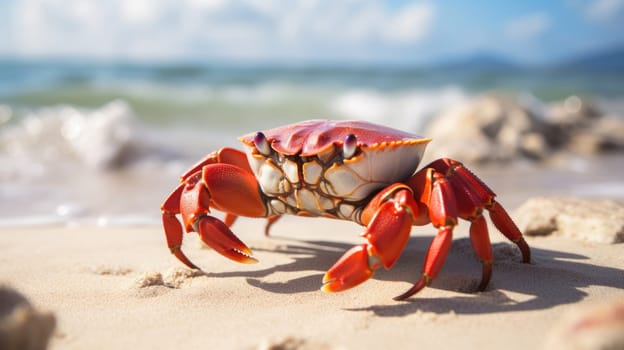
(113, 163)
(115, 135)
(105, 143)
(99, 138)
(67, 164)
(408, 110)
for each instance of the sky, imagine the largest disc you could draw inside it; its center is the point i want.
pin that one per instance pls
(345, 31)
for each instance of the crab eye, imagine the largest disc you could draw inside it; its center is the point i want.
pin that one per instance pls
(262, 144)
(349, 146)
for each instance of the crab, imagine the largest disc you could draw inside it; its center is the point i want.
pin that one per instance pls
(349, 170)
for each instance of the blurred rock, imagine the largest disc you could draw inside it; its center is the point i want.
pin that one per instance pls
(591, 220)
(572, 111)
(21, 326)
(593, 327)
(585, 129)
(490, 128)
(496, 128)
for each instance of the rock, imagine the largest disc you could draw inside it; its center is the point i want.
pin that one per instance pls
(583, 128)
(608, 134)
(489, 128)
(494, 128)
(592, 220)
(534, 145)
(592, 327)
(21, 326)
(572, 111)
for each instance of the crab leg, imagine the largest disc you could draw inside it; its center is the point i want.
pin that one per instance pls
(195, 204)
(224, 155)
(480, 239)
(231, 218)
(387, 234)
(473, 195)
(507, 227)
(222, 186)
(458, 188)
(270, 221)
(438, 196)
(172, 226)
(191, 200)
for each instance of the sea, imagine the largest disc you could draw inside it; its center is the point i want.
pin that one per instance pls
(91, 143)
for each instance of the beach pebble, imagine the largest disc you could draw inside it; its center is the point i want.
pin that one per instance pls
(176, 277)
(173, 278)
(592, 220)
(593, 327)
(149, 279)
(21, 326)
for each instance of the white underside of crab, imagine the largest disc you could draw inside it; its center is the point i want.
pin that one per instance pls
(326, 184)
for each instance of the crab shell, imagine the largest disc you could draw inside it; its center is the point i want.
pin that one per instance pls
(309, 171)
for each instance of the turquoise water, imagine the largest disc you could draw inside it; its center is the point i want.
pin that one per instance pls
(173, 94)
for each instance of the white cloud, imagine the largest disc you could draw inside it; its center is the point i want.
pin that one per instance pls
(528, 27)
(243, 29)
(411, 24)
(202, 5)
(605, 10)
(600, 11)
(138, 11)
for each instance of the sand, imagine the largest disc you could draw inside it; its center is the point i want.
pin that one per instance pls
(119, 287)
(113, 288)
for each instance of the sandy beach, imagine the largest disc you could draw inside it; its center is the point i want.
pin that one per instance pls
(105, 104)
(118, 287)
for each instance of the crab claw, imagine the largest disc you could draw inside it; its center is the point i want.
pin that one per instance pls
(349, 271)
(219, 237)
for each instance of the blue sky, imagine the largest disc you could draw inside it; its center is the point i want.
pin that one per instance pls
(307, 31)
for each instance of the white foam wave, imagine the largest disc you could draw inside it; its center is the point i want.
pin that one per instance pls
(63, 164)
(408, 110)
(99, 138)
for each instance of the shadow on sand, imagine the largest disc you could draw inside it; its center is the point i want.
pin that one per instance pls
(553, 278)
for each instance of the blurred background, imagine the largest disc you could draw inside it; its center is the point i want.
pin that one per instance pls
(103, 103)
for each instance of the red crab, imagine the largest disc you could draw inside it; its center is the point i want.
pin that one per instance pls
(348, 170)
